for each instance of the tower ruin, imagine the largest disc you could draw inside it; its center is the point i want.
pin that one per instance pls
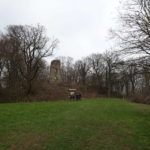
(55, 76)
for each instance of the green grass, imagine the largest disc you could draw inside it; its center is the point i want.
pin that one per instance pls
(94, 124)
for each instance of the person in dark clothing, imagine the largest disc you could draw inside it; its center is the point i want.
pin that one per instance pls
(78, 96)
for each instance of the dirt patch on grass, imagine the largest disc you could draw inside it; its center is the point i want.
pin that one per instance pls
(28, 142)
(144, 109)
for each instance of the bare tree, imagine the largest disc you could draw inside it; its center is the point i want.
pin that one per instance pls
(32, 46)
(97, 68)
(111, 60)
(67, 69)
(144, 3)
(83, 68)
(134, 32)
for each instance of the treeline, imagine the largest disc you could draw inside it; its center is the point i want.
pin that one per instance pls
(126, 70)
(110, 75)
(122, 72)
(22, 53)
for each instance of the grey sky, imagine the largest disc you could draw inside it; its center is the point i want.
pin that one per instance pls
(80, 25)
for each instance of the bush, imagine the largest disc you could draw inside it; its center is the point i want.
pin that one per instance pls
(140, 99)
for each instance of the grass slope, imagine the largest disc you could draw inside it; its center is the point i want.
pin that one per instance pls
(95, 124)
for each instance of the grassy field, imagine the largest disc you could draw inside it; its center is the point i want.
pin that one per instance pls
(94, 124)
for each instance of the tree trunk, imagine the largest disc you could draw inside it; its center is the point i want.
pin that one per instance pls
(29, 88)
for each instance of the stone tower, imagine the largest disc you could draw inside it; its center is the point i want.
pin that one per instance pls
(55, 76)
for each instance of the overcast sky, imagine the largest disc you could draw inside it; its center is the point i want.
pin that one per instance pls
(80, 25)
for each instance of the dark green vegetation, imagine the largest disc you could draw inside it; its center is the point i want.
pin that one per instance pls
(96, 124)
